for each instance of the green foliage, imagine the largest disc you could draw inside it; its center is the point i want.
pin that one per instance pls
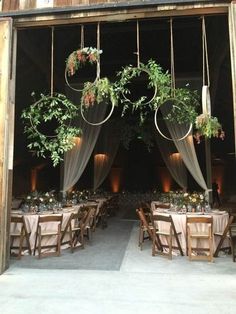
(208, 126)
(48, 108)
(160, 81)
(97, 92)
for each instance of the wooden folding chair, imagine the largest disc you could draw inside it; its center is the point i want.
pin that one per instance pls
(145, 228)
(199, 228)
(52, 233)
(73, 230)
(19, 231)
(223, 235)
(86, 224)
(169, 232)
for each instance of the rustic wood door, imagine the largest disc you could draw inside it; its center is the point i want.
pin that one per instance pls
(7, 83)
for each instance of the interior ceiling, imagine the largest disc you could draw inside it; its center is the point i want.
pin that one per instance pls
(118, 42)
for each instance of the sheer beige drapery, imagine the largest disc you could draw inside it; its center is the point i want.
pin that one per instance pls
(76, 160)
(105, 152)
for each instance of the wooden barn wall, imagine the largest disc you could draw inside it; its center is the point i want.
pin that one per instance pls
(15, 5)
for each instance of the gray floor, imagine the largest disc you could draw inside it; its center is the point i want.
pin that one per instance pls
(130, 281)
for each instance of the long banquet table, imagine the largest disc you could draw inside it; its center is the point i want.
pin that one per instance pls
(31, 220)
(220, 220)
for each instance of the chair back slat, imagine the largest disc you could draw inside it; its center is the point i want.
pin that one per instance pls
(50, 218)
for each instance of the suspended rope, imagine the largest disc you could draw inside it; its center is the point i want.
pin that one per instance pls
(82, 36)
(138, 45)
(172, 58)
(206, 100)
(173, 87)
(52, 60)
(98, 48)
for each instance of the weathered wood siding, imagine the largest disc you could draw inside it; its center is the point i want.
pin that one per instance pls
(15, 5)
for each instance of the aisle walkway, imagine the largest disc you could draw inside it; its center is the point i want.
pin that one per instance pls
(131, 282)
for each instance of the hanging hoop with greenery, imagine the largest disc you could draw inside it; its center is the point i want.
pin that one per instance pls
(158, 82)
(55, 109)
(101, 91)
(97, 92)
(183, 101)
(205, 124)
(177, 115)
(80, 58)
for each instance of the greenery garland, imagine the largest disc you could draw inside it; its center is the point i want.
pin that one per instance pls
(47, 108)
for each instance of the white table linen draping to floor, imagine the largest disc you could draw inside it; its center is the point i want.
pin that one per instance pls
(220, 220)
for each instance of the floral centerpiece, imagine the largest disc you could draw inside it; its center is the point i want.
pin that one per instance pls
(39, 201)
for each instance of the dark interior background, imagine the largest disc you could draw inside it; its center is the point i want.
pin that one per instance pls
(141, 169)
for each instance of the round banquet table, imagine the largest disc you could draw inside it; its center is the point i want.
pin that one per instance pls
(220, 220)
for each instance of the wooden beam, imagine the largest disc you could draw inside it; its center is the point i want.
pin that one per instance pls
(5, 66)
(123, 15)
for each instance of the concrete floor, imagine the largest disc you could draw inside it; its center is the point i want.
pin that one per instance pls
(142, 284)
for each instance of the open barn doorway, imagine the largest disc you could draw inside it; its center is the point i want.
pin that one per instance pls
(142, 170)
(118, 42)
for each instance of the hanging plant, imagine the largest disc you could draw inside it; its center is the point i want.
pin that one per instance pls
(78, 58)
(209, 127)
(50, 108)
(101, 90)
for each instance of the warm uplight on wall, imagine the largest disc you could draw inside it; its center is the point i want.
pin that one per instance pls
(77, 140)
(34, 174)
(165, 179)
(115, 179)
(218, 176)
(100, 158)
(175, 156)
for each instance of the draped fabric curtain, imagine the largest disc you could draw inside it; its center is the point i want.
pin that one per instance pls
(186, 148)
(173, 160)
(76, 160)
(105, 152)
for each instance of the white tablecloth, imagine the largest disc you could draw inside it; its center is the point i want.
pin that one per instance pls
(220, 220)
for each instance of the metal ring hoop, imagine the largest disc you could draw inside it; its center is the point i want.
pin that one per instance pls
(101, 122)
(97, 63)
(35, 128)
(155, 88)
(76, 89)
(163, 135)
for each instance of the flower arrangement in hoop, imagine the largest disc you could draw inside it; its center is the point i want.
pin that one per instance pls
(50, 108)
(95, 93)
(78, 59)
(208, 126)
